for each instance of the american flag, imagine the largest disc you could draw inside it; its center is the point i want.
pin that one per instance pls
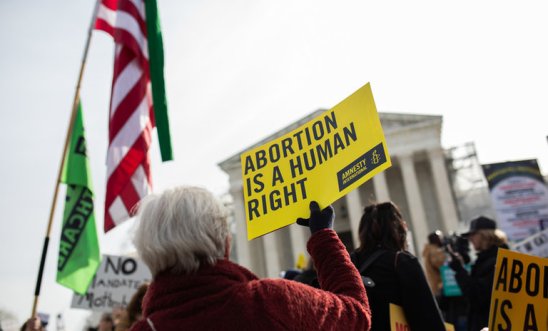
(131, 117)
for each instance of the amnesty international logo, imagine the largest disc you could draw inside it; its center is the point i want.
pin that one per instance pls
(375, 158)
(361, 166)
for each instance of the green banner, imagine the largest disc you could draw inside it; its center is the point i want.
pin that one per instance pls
(156, 64)
(79, 255)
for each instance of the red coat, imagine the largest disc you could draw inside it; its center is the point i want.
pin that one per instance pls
(229, 297)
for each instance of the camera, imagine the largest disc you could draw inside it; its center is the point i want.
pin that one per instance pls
(456, 243)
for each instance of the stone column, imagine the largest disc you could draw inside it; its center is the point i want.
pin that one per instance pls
(271, 256)
(250, 254)
(354, 208)
(414, 200)
(299, 237)
(258, 256)
(242, 245)
(443, 189)
(381, 187)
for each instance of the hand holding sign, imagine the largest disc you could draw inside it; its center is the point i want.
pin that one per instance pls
(322, 160)
(319, 219)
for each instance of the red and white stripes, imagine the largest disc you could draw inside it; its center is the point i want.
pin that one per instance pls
(131, 113)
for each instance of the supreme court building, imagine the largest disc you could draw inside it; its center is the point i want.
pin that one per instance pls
(417, 182)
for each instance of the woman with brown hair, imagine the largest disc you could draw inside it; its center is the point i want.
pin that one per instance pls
(134, 309)
(390, 273)
(433, 257)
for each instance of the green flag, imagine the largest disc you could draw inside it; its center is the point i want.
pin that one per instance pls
(79, 255)
(156, 64)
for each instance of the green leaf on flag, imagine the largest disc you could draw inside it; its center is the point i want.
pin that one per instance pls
(79, 255)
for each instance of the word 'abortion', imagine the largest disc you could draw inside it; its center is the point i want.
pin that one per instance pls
(304, 150)
(297, 142)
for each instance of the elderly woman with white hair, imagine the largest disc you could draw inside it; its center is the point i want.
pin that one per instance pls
(183, 237)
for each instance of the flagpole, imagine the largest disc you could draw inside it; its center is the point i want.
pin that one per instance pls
(75, 102)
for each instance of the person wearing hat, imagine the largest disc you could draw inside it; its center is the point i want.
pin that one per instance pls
(476, 286)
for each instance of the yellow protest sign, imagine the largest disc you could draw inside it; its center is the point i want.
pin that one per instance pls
(322, 160)
(398, 322)
(301, 261)
(520, 292)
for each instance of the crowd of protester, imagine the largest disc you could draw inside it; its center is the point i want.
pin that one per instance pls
(183, 237)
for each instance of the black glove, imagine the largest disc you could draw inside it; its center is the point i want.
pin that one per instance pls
(455, 263)
(318, 219)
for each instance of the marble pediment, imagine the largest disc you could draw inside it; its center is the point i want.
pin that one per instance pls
(392, 123)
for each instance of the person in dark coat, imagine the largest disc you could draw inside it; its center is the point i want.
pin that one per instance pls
(395, 275)
(477, 286)
(308, 276)
(183, 237)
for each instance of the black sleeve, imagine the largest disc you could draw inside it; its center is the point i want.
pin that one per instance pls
(419, 305)
(477, 288)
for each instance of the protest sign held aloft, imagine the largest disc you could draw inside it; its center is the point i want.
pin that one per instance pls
(322, 160)
(519, 195)
(115, 282)
(520, 292)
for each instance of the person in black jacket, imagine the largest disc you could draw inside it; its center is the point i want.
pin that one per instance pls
(393, 275)
(477, 286)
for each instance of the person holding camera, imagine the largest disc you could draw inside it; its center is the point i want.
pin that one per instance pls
(477, 286)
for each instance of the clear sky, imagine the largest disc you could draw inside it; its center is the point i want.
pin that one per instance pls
(240, 70)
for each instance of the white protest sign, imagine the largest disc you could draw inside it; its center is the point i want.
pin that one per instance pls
(520, 197)
(115, 282)
(536, 245)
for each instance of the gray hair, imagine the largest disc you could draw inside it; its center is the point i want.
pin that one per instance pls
(181, 229)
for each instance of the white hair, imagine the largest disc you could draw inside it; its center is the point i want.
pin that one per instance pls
(181, 229)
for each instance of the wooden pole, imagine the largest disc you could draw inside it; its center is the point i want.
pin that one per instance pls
(75, 103)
